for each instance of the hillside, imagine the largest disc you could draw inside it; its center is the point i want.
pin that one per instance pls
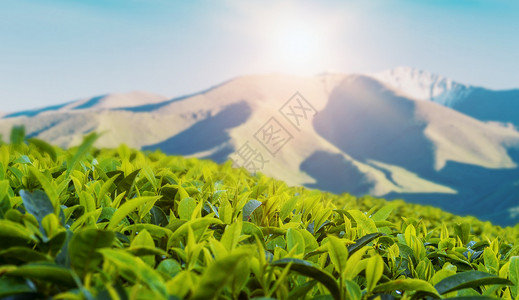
(422, 85)
(478, 102)
(368, 136)
(109, 101)
(87, 223)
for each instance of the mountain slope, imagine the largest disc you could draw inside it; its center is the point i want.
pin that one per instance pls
(477, 102)
(109, 101)
(367, 120)
(477, 160)
(488, 105)
(422, 85)
(366, 138)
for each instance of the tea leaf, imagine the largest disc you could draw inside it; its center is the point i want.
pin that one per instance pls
(47, 187)
(363, 241)
(135, 269)
(383, 213)
(513, 269)
(37, 204)
(13, 286)
(408, 285)
(88, 142)
(301, 291)
(44, 147)
(295, 241)
(24, 254)
(462, 231)
(125, 185)
(249, 208)
(353, 290)
(338, 253)
(107, 185)
(186, 208)
(231, 235)
(363, 221)
(307, 269)
(217, 276)
(125, 209)
(374, 271)
(83, 248)
(10, 230)
(17, 135)
(45, 272)
(470, 279)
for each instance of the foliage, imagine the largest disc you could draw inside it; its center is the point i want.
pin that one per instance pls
(124, 224)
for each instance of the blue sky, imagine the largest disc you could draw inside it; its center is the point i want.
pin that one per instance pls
(53, 51)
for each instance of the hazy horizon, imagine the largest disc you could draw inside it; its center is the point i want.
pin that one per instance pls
(57, 51)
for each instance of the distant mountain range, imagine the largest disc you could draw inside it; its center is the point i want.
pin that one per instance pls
(402, 133)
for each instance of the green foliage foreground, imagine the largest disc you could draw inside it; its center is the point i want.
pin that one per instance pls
(123, 224)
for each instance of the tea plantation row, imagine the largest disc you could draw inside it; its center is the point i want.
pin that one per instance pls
(124, 224)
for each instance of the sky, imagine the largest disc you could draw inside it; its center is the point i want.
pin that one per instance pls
(56, 51)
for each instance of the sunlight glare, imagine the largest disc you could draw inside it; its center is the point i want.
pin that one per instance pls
(299, 48)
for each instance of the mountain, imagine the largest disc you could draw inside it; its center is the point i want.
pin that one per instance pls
(480, 103)
(380, 134)
(377, 126)
(422, 85)
(503, 106)
(109, 101)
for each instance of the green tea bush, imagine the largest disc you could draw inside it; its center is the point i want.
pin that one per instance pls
(125, 224)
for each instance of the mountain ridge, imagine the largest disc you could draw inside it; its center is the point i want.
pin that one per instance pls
(100, 102)
(410, 82)
(423, 85)
(366, 138)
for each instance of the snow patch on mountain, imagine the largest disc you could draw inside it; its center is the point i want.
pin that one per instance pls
(423, 85)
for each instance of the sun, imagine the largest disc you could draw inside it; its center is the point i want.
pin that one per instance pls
(299, 47)
(298, 44)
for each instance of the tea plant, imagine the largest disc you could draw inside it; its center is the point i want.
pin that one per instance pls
(124, 224)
